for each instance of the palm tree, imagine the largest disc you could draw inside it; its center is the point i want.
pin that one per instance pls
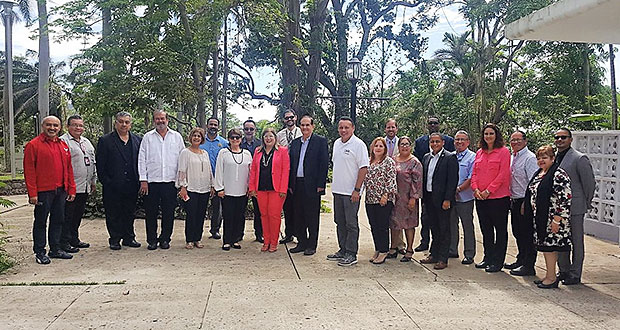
(458, 52)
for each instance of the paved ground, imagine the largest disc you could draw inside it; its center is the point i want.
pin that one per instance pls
(247, 289)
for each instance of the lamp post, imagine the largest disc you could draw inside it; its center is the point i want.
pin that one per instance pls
(7, 16)
(354, 73)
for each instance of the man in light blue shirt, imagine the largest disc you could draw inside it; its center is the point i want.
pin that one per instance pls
(213, 144)
(464, 206)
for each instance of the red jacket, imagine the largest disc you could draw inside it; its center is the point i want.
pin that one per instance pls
(39, 158)
(279, 170)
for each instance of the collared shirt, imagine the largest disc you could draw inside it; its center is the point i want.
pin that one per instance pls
(158, 158)
(466, 167)
(392, 146)
(83, 162)
(213, 147)
(492, 172)
(302, 156)
(431, 170)
(523, 165)
(559, 157)
(348, 158)
(286, 136)
(250, 146)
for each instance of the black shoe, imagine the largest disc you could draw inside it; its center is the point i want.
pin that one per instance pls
(537, 281)
(571, 281)
(115, 246)
(152, 246)
(260, 239)
(81, 245)
(421, 248)
(482, 264)
(164, 245)
(60, 254)
(553, 285)
(309, 252)
(523, 271)
(286, 239)
(70, 249)
(467, 261)
(493, 268)
(297, 249)
(392, 255)
(453, 255)
(512, 265)
(133, 243)
(42, 259)
(236, 246)
(215, 236)
(561, 276)
(226, 247)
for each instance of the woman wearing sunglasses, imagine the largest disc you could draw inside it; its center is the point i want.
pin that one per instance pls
(232, 171)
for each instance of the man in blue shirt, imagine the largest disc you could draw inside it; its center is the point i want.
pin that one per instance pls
(250, 143)
(464, 206)
(213, 144)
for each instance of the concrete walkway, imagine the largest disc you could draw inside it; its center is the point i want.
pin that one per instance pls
(249, 289)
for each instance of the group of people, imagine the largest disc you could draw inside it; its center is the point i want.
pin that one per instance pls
(546, 193)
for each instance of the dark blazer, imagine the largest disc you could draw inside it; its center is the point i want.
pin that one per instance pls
(445, 178)
(422, 147)
(111, 161)
(316, 162)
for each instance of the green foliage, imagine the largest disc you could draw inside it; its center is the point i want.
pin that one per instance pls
(6, 261)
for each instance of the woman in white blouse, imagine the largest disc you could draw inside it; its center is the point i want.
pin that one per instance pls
(195, 181)
(232, 172)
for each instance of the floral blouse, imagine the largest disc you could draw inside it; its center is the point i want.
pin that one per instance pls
(380, 180)
(560, 205)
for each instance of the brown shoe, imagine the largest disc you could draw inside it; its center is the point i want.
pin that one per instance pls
(440, 265)
(428, 260)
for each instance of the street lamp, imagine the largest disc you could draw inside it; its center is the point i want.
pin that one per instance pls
(7, 16)
(354, 73)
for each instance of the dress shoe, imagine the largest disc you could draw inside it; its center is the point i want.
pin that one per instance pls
(152, 246)
(561, 276)
(132, 243)
(215, 236)
(512, 265)
(571, 281)
(115, 246)
(553, 285)
(42, 259)
(226, 247)
(70, 249)
(59, 254)
(523, 271)
(297, 249)
(453, 255)
(236, 246)
(440, 265)
(286, 239)
(538, 281)
(493, 268)
(421, 248)
(483, 264)
(392, 253)
(467, 261)
(260, 239)
(81, 245)
(309, 252)
(428, 260)
(164, 245)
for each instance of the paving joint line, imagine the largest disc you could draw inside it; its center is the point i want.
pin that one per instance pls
(13, 209)
(290, 256)
(204, 312)
(64, 310)
(398, 304)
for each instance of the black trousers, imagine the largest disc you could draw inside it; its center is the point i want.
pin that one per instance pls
(379, 219)
(233, 209)
(50, 203)
(258, 225)
(307, 216)
(289, 216)
(425, 231)
(164, 195)
(493, 216)
(523, 233)
(438, 220)
(216, 215)
(195, 211)
(73, 218)
(120, 208)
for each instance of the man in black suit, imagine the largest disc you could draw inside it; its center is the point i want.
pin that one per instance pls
(117, 170)
(441, 175)
(421, 149)
(309, 161)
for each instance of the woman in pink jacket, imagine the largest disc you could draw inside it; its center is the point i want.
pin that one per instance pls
(490, 181)
(269, 182)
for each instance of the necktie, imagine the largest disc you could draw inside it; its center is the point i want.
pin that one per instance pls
(289, 138)
(390, 147)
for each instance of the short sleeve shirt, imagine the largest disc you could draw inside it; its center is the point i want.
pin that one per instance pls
(348, 158)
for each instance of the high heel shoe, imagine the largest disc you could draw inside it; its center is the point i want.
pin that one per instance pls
(392, 255)
(407, 257)
(374, 256)
(553, 285)
(380, 259)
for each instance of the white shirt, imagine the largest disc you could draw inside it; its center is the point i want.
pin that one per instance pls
(348, 158)
(431, 170)
(158, 158)
(232, 172)
(84, 171)
(523, 165)
(195, 171)
(283, 135)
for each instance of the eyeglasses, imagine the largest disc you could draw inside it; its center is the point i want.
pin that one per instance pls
(460, 139)
(433, 123)
(249, 129)
(289, 117)
(126, 122)
(561, 137)
(516, 140)
(234, 137)
(406, 144)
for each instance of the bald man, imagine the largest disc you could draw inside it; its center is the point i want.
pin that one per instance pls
(49, 179)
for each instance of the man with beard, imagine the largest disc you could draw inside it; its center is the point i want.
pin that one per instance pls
(212, 145)
(157, 167)
(285, 136)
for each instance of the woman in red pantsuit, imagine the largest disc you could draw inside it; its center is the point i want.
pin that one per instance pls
(269, 182)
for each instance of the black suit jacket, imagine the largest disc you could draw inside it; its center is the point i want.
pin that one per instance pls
(422, 147)
(315, 164)
(111, 161)
(445, 178)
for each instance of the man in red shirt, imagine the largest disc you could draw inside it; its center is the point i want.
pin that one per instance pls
(49, 180)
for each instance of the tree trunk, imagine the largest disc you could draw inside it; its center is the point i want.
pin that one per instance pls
(44, 62)
(106, 31)
(199, 87)
(342, 84)
(214, 79)
(317, 31)
(289, 69)
(225, 81)
(586, 77)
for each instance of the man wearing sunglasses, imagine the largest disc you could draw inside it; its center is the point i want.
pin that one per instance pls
(249, 143)
(285, 136)
(422, 147)
(582, 185)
